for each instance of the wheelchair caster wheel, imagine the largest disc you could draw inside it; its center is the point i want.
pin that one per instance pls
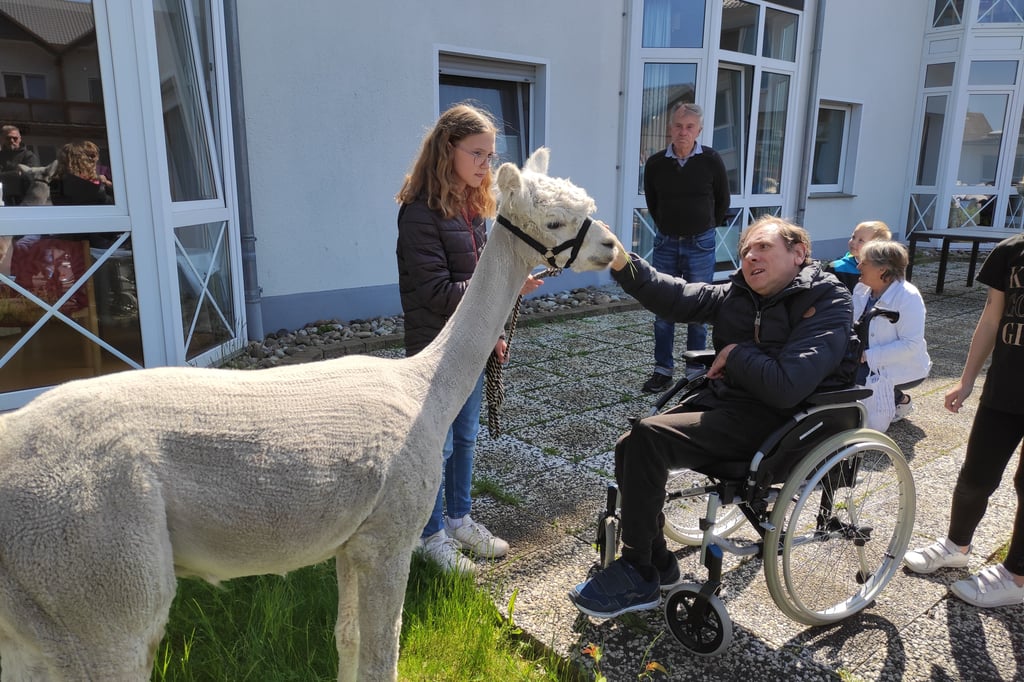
(704, 631)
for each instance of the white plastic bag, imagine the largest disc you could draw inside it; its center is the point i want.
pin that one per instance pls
(881, 405)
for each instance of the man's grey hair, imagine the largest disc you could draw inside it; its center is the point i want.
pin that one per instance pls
(690, 108)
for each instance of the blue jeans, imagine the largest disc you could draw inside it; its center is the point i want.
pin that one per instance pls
(457, 477)
(693, 259)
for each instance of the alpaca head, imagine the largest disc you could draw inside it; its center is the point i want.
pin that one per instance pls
(552, 211)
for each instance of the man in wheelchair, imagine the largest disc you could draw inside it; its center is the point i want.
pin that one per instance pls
(781, 327)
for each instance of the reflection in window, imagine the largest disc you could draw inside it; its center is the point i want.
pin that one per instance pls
(948, 13)
(829, 147)
(780, 35)
(204, 282)
(508, 101)
(673, 23)
(939, 75)
(664, 86)
(1018, 160)
(187, 126)
(732, 111)
(68, 309)
(739, 27)
(931, 139)
(771, 133)
(992, 73)
(50, 91)
(1000, 11)
(983, 133)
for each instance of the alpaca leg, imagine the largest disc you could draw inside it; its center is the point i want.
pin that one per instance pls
(346, 629)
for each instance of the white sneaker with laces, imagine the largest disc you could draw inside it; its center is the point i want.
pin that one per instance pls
(444, 551)
(476, 538)
(939, 554)
(903, 409)
(993, 586)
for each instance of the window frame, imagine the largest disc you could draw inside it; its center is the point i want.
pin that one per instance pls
(848, 148)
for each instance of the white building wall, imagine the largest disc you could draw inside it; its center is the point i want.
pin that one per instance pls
(339, 95)
(871, 55)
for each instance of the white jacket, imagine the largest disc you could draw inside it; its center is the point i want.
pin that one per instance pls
(897, 350)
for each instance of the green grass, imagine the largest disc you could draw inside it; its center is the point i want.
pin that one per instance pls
(273, 628)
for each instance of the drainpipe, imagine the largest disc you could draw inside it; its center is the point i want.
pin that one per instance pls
(810, 114)
(250, 279)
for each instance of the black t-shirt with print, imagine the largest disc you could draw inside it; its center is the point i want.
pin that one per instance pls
(1004, 271)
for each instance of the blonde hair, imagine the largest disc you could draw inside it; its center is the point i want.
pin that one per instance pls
(879, 230)
(79, 158)
(433, 172)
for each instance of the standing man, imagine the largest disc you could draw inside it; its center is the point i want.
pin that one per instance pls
(687, 192)
(13, 153)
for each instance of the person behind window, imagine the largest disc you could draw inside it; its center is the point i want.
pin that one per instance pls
(687, 192)
(13, 154)
(896, 349)
(77, 181)
(441, 232)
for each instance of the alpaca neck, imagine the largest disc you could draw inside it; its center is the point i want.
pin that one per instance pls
(452, 363)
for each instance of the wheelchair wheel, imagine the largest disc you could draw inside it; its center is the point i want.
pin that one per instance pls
(683, 514)
(704, 634)
(609, 540)
(842, 522)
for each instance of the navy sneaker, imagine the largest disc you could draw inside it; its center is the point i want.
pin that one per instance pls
(616, 590)
(669, 577)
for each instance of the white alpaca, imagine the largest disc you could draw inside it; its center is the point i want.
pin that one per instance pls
(110, 487)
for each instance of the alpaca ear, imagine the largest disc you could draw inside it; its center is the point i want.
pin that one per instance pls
(509, 179)
(538, 161)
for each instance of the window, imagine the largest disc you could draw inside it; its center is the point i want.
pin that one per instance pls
(664, 86)
(505, 89)
(25, 86)
(831, 148)
(673, 23)
(1000, 11)
(948, 13)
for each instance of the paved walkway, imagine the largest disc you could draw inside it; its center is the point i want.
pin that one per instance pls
(571, 387)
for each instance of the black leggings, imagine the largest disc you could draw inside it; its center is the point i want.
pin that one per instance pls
(993, 440)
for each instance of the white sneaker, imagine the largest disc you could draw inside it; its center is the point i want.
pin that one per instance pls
(903, 409)
(444, 551)
(939, 554)
(476, 538)
(993, 586)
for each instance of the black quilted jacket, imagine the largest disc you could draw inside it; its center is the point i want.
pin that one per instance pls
(436, 258)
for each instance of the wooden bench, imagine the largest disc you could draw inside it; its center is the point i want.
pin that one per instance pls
(974, 235)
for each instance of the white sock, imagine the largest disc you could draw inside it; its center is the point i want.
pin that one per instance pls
(455, 523)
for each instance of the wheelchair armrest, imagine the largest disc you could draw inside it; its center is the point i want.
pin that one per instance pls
(845, 395)
(700, 357)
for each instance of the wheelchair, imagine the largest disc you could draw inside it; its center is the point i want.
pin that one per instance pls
(832, 504)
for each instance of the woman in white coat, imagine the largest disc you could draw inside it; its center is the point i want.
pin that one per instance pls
(895, 350)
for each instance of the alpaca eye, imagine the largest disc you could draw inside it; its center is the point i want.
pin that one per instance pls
(556, 225)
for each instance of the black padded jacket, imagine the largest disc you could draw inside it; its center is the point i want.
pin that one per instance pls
(436, 258)
(788, 345)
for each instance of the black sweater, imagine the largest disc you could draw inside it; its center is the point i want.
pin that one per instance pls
(690, 199)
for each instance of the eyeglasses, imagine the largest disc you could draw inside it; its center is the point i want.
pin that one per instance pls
(481, 158)
(12, 138)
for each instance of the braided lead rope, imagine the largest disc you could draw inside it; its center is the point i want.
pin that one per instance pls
(494, 386)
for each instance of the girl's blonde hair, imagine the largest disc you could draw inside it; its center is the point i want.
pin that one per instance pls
(879, 230)
(433, 172)
(79, 158)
